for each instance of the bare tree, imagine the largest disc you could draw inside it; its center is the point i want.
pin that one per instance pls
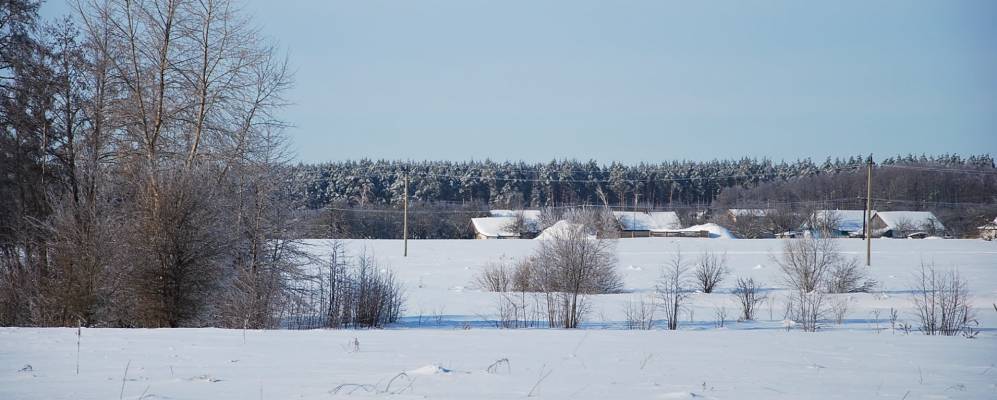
(495, 277)
(600, 221)
(748, 296)
(571, 265)
(807, 266)
(349, 292)
(941, 301)
(848, 276)
(839, 309)
(639, 313)
(903, 227)
(549, 216)
(711, 269)
(672, 288)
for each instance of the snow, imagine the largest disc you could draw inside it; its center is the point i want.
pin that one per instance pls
(453, 364)
(917, 219)
(750, 212)
(991, 225)
(423, 357)
(531, 218)
(665, 220)
(527, 214)
(715, 231)
(644, 221)
(495, 226)
(848, 220)
(560, 229)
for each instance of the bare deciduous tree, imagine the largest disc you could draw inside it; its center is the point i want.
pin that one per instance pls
(748, 295)
(711, 269)
(672, 288)
(808, 266)
(571, 265)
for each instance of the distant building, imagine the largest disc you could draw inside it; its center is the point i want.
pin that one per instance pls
(902, 224)
(839, 223)
(735, 213)
(495, 228)
(563, 229)
(527, 222)
(641, 224)
(989, 231)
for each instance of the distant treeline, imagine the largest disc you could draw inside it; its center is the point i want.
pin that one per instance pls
(362, 199)
(571, 182)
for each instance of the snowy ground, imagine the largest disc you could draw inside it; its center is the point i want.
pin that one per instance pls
(861, 358)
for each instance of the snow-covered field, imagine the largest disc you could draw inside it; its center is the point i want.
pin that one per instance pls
(861, 358)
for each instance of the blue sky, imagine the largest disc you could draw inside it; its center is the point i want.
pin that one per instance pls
(636, 80)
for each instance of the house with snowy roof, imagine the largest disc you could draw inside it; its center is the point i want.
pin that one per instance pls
(838, 223)
(641, 224)
(989, 231)
(495, 228)
(527, 222)
(902, 224)
(735, 213)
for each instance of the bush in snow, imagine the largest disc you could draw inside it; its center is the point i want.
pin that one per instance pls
(639, 314)
(570, 265)
(941, 302)
(711, 269)
(748, 297)
(807, 266)
(839, 309)
(349, 292)
(495, 277)
(672, 289)
(847, 276)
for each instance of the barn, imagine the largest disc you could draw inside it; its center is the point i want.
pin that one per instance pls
(495, 228)
(902, 224)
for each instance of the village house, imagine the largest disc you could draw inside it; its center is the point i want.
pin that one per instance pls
(904, 224)
(743, 213)
(642, 224)
(989, 231)
(495, 228)
(837, 223)
(527, 222)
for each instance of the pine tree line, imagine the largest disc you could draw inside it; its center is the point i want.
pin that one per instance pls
(571, 182)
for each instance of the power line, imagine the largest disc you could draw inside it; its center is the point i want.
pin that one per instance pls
(941, 169)
(770, 204)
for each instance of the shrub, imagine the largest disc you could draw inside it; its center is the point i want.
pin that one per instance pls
(748, 297)
(495, 277)
(569, 266)
(672, 289)
(711, 269)
(941, 301)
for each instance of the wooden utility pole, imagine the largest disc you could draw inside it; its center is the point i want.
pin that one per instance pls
(633, 218)
(868, 207)
(405, 218)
